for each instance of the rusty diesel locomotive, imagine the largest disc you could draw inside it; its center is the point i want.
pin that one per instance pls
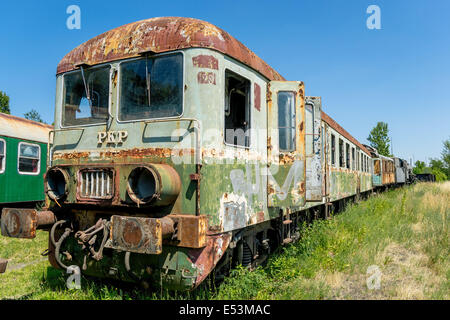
(178, 153)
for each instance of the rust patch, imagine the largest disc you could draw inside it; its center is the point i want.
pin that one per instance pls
(205, 61)
(257, 94)
(205, 259)
(19, 223)
(206, 77)
(139, 235)
(286, 158)
(129, 153)
(132, 233)
(191, 230)
(260, 216)
(159, 35)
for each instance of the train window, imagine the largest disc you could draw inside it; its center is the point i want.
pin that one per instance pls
(29, 158)
(347, 155)
(286, 121)
(237, 110)
(86, 97)
(309, 134)
(151, 88)
(333, 150)
(341, 153)
(2, 155)
(353, 159)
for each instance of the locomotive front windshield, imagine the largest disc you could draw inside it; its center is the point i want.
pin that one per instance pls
(86, 97)
(151, 88)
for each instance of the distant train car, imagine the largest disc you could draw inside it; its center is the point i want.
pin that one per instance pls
(383, 169)
(23, 160)
(402, 171)
(426, 177)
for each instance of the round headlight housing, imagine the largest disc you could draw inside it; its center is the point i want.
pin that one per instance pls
(155, 184)
(56, 183)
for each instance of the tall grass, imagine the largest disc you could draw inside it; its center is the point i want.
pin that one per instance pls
(404, 232)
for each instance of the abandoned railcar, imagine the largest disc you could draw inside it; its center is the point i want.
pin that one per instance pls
(403, 171)
(177, 151)
(23, 160)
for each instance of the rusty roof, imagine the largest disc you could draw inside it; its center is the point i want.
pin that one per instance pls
(16, 127)
(332, 123)
(162, 35)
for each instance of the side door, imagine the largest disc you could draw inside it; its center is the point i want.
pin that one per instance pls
(285, 144)
(313, 146)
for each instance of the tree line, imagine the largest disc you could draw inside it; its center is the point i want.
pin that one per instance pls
(440, 167)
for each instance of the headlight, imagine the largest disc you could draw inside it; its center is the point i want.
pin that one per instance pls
(56, 183)
(156, 184)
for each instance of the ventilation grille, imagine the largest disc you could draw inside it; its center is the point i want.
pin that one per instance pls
(96, 184)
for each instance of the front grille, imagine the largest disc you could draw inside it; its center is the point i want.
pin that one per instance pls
(96, 183)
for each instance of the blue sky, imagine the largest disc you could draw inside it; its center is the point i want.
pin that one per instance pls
(399, 74)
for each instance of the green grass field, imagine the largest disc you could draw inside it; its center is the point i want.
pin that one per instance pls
(404, 232)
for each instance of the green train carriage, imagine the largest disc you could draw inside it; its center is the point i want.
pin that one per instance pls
(23, 161)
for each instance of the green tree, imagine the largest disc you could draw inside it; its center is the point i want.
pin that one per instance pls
(419, 167)
(446, 157)
(379, 138)
(33, 115)
(4, 103)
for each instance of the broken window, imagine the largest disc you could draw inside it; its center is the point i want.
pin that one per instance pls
(86, 96)
(333, 150)
(151, 88)
(341, 153)
(237, 110)
(29, 156)
(286, 120)
(376, 166)
(2, 155)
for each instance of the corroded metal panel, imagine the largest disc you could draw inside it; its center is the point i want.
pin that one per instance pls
(313, 146)
(139, 235)
(206, 259)
(22, 223)
(191, 230)
(286, 171)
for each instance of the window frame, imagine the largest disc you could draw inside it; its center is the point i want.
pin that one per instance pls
(4, 157)
(250, 107)
(295, 123)
(341, 152)
(353, 155)
(63, 87)
(118, 87)
(333, 150)
(39, 159)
